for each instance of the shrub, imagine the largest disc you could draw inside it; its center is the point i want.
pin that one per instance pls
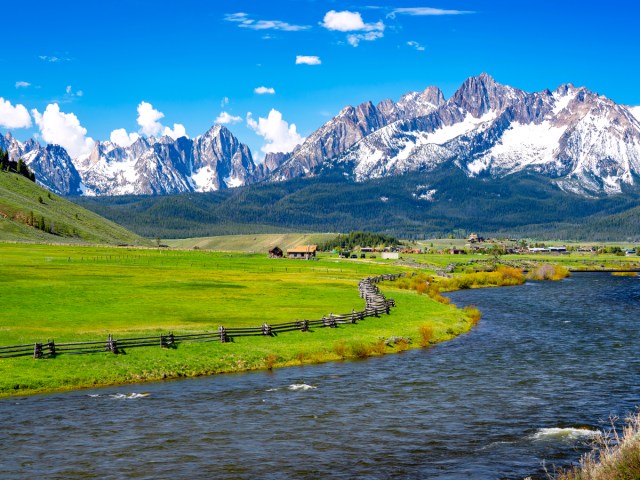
(426, 335)
(340, 348)
(379, 347)
(548, 271)
(360, 350)
(473, 314)
(270, 360)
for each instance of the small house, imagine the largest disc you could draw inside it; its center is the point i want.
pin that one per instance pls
(304, 252)
(390, 255)
(456, 251)
(276, 252)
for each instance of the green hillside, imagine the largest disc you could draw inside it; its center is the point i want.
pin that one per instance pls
(31, 213)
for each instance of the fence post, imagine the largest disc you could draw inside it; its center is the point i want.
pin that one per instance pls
(223, 334)
(52, 348)
(266, 329)
(353, 316)
(37, 350)
(112, 345)
(171, 341)
(305, 325)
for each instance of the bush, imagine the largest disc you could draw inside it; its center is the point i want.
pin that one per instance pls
(270, 360)
(341, 349)
(360, 350)
(548, 271)
(473, 314)
(426, 335)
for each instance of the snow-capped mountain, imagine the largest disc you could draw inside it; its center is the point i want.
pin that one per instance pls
(209, 162)
(584, 141)
(350, 126)
(51, 164)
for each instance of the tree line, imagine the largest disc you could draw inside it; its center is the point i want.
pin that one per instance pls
(19, 167)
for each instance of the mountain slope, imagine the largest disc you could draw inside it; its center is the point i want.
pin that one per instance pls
(31, 213)
(410, 206)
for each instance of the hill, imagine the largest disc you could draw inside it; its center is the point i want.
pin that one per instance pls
(414, 206)
(31, 213)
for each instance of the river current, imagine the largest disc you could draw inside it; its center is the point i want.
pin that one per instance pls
(525, 391)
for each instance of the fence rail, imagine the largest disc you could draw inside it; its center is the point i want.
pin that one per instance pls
(375, 305)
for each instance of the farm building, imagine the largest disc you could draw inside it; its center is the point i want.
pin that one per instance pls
(276, 252)
(302, 251)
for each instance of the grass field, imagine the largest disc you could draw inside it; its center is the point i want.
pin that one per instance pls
(260, 243)
(70, 293)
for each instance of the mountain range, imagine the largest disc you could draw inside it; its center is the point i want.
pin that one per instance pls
(581, 141)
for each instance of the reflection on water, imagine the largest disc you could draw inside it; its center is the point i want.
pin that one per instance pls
(528, 388)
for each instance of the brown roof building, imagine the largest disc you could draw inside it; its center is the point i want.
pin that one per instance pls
(302, 251)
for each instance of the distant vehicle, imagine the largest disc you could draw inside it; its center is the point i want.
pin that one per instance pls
(362, 255)
(354, 256)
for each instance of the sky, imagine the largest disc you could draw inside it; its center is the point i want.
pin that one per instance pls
(76, 72)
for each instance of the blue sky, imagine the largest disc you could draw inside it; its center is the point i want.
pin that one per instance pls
(77, 66)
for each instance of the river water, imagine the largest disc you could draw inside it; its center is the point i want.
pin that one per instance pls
(547, 366)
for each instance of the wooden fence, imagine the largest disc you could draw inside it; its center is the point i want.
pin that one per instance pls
(375, 304)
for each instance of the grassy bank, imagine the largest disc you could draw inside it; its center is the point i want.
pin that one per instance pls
(85, 293)
(614, 457)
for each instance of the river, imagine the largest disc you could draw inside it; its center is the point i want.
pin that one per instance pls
(546, 367)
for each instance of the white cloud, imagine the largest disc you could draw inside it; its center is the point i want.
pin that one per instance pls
(354, 39)
(224, 102)
(13, 117)
(148, 119)
(415, 45)
(307, 60)
(68, 89)
(22, 84)
(243, 21)
(177, 132)
(149, 125)
(264, 90)
(347, 21)
(122, 138)
(63, 129)
(53, 59)
(226, 118)
(423, 11)
(278, 134)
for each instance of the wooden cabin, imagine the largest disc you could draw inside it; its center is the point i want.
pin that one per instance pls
(276, 252)
(304, 252)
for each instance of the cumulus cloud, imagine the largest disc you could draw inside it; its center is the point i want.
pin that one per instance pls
(415, 45)
(307, 60)
(148, 119)
(226, 118)
(347, 21)
(22, 84)
(424, 11)
(243, 21)
(13, 117)
(149, 125)
(279, 136)
(122, 138)
(63, 129)
(264, 90)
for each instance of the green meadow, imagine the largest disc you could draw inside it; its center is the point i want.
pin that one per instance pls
(75, 293)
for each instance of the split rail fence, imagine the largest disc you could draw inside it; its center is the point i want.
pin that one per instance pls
(375, 304)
